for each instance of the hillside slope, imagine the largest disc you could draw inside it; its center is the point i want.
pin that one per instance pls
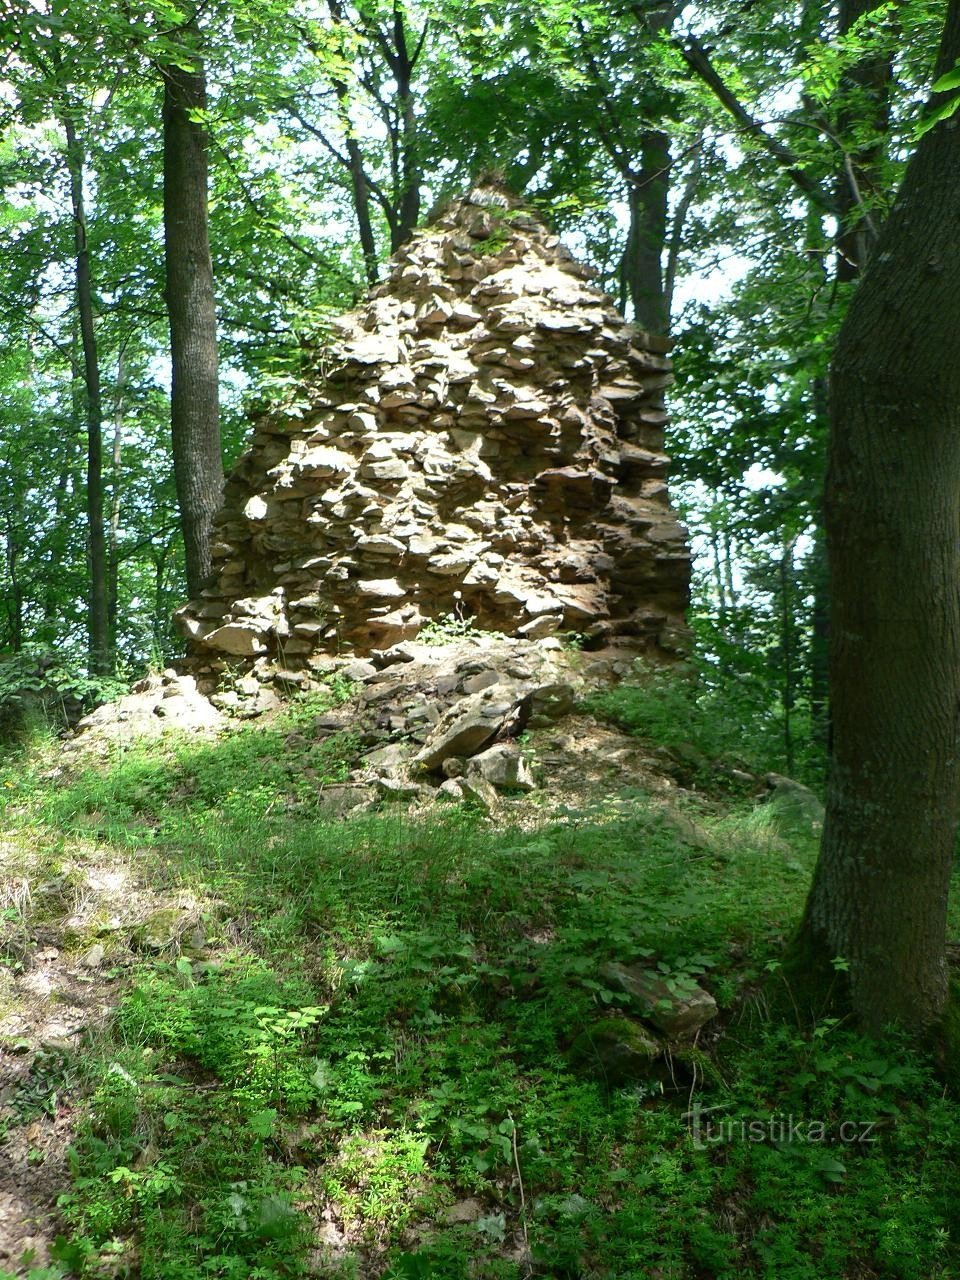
(282, 1001)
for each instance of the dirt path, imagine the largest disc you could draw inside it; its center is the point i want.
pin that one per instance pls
(66, 930)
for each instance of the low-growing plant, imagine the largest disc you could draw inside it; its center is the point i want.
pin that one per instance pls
(379, 1036)
(42, 690)
(451, 627)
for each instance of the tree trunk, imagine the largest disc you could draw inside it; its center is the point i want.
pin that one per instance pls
(359, 183)
(410, 176)
(113, 539)
(14, 602)
(361, 205)
(820, 610)
(864, 95)
(691, 187)
(788, 651)
(642, 264)
(879, 896)
(98, 638)
(195, 408)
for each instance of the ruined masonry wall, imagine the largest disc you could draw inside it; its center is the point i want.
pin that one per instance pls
(484, 438)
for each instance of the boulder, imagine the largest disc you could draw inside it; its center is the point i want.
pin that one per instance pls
(504, 767)
(679, 1011)
(479, 792)
(618, 1050)
(467, 727)
(797, 808)
(157, 705)
(238, 639)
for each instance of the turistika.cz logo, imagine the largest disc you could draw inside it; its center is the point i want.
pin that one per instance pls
(707, 1127)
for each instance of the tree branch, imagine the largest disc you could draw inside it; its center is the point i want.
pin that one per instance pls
(697, 59)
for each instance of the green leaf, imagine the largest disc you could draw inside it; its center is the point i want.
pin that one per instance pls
(942, 112)
(950, 80)
(261, 1123)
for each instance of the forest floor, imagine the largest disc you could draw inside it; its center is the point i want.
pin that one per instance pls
(244, 1033)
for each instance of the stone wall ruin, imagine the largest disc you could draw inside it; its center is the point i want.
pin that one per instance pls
(483, 438)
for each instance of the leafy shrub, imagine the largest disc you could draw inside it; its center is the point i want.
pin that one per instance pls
(44, 689)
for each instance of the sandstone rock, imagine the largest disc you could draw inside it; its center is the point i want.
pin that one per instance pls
(157, 706)
(342, 798)
(451, 789)
(482, 680)
(393, 656)
(797, 808)
(464, 1211)
(390, 788)
(618, 1050)
(552, 699)
(93, 957)
(504, 767)
(388, 759)
(470, 724)
(478, 791)
(239, 639)
(358, 670)
(678, 1015)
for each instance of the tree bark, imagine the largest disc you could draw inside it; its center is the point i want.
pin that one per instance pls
(113, 538)
(409, 173)
(98, 632)
(642, 265)
(359, 183)
(195, 408)
(879, 895)
(864, 98)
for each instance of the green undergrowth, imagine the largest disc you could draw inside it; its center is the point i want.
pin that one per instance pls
(704, 723)
(373, 1048)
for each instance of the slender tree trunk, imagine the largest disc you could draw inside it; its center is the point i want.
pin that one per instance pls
(97, 624)
(728, 570)
(718, 578)
(788, 651)
(864, 95)
(14, 603)
(642, 264)
(411, 177)
(879, 894)
(677, 225)
(160, 611)
(361, 207)
(359, 184)
(54, 562)
(113, 556)
(195, 410)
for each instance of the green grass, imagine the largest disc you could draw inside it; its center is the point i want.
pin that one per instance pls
(382, 1030)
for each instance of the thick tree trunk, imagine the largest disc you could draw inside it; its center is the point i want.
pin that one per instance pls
(878, 900)
(98, 637)
(195, 409)
(820, 611)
